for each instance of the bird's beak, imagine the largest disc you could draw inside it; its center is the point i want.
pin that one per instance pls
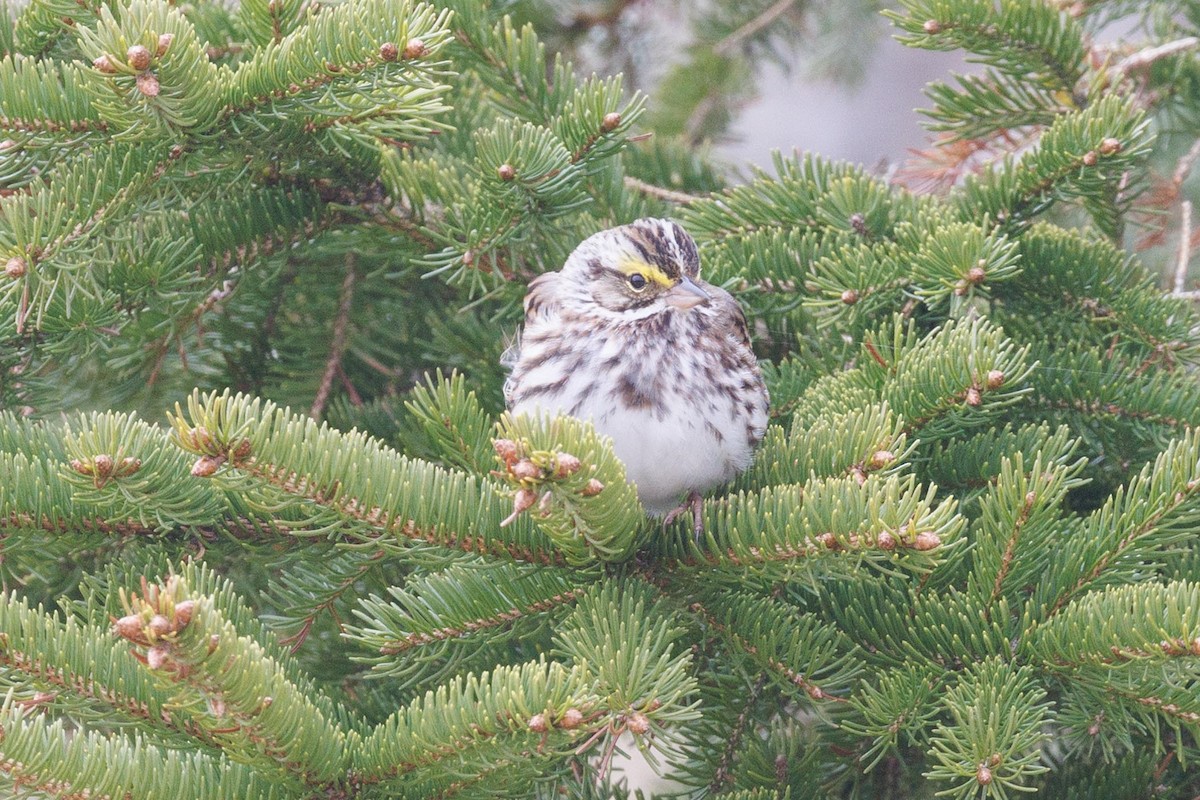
(686, 293)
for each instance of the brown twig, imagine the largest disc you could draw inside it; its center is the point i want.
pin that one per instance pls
(769, 15)
(723, 775)
(1146, 57)
(660, 192)
(337, 344)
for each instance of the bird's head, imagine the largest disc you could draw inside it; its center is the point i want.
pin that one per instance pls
(647, 266)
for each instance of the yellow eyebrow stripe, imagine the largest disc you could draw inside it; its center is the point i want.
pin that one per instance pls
(648, 271)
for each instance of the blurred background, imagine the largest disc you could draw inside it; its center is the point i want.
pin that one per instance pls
(739, 80)
(751, 77)
(824, 77)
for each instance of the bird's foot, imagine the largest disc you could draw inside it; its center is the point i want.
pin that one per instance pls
(694, 503)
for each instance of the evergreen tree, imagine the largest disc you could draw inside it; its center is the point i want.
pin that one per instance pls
(964, 563)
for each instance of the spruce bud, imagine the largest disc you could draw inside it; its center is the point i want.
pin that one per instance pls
(983, 775)
(202, 440)
(593, 488)
(388, 51)
(128, 627)
(572, 718)
(976, 274)
(15, 268)
(156, 657)
(414, 49)
(638, 723)
(522, 500)
(1110, 146)
(565, 464)
(102, 465)
(974, 397)
(159, 626)
(1090, 158)
(506, 172)
(205, 467)
(881, 459)
(525, 470)
(148, 85)
(164, 44)
(104, 64)
(183, 613)
(849, 297)
(538, 724)
(995, 379)
(927, 540)
(886, 541)
(506, 449)
(858, 223)
(138, 57)
(242, 451)
(610, 122)
(932, 26)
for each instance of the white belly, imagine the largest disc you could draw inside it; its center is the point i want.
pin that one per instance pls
(665, 456)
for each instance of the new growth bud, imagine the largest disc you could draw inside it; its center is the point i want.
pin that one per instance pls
(148, 85)
(138, 57)
(638, 723)
(414, 49)
(927, 540)
(523, 500)
(566, 464)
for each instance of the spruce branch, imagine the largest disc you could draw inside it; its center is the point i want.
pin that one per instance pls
(531, 714)
(1131, 526)
(230, 686)
(45, 757)
(1018, 37)
(796, 651)
(100, 680)
(447, 612)
(244, 439)
(999, 715)
(296, 593)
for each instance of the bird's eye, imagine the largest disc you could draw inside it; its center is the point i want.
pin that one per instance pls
(637, 281)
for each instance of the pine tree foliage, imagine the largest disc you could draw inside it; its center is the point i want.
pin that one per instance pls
(964, 562)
